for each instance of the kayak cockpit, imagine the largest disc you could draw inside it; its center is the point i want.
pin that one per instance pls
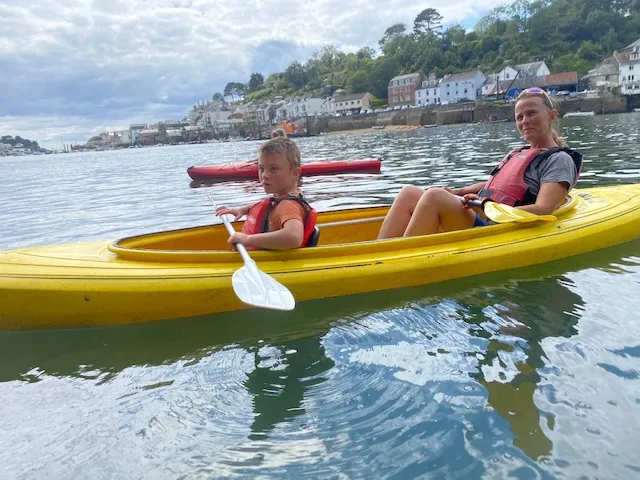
(342, 233)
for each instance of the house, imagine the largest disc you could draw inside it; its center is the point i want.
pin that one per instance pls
(191, 133)
(148, 136)
(532, 69)
(308, 106)
(174, 135)
(327, 106)
(218, 119)
(506, 76)
(605, 75)
(352, 103)
(461, 86)
(629, 75)
(134, 132)
(124, 137)
(429, 91)
(490, 85)
(402, 89)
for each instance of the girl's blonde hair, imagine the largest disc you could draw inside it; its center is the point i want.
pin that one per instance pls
(536, 92)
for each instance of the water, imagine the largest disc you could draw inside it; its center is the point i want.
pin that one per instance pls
(533, 373)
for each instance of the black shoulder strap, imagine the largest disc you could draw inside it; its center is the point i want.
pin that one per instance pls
(575, 156)
(264, 224)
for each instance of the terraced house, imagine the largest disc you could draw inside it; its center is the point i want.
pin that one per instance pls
(402, 89)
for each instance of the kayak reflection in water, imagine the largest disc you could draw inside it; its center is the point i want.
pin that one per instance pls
(536, 179)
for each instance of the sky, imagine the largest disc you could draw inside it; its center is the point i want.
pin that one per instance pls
(71, 69)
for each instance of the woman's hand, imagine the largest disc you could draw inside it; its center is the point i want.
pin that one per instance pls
(239, 237)
(236, 212)
(453, 191)
(468, 198)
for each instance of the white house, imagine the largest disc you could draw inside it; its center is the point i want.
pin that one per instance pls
(429, 91)
(461, 86)
(605, 75)
(629, 60)
(532, 69)
(352, 103)
(327, 106)
(490, 84)
(305, 106)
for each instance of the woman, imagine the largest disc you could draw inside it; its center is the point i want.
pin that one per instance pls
(536, 178)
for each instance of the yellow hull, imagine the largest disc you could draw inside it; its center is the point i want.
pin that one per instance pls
(179, 274)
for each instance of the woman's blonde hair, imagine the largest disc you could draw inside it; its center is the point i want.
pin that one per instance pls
(537, 92)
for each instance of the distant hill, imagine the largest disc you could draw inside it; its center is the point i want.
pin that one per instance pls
(26, 143)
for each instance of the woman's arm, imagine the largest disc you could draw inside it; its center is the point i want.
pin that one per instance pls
(550, 197)
(475, 188)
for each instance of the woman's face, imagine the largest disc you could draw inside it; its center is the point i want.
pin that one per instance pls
(534, 119)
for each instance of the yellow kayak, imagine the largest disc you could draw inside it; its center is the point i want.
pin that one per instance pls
(187, 272)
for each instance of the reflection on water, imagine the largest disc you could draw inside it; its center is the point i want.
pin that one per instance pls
(483, 376)
(526, 373)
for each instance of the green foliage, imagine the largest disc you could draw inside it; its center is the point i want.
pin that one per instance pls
(256, 82)
(570, 35)
(427, 22)
(26, 143)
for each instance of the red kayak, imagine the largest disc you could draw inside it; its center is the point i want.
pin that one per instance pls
(244, 170)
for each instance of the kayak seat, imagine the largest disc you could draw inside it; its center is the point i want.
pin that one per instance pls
(313, 239)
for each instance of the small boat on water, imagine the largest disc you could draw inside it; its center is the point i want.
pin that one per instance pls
(183, 273)
(378, 127)
(636, 109)
(431, 125)
(249, 170)
(579, 114)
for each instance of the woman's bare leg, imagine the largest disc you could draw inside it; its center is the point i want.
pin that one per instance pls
(439, 211)
(397, 220)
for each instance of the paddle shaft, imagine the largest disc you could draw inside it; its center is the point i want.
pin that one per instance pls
(240, 247)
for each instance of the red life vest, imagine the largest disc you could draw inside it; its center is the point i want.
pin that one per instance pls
(258, 217)
(507, 184)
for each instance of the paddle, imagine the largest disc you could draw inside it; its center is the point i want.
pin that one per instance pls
(501, 213)
(252, 285)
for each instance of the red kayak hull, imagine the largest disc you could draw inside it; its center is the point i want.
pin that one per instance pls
(249, 170)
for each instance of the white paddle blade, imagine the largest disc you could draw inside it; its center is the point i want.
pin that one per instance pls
(256, 288)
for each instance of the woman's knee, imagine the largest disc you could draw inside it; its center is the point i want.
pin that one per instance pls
(409, 195)
(434, 196)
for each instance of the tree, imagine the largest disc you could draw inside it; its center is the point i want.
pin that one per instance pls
(365, 53)
(229, 89)
(256, 82)
(427, 22)
(217, 97)
(296, 75)
(239, 89)
(392, 32)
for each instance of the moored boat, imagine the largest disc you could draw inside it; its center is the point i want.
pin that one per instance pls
(249, 170)
(187, 272)
(579, 114)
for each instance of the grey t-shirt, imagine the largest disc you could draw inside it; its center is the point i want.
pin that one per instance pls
(557, 167)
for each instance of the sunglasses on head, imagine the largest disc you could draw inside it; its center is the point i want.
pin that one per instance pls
(537, 91)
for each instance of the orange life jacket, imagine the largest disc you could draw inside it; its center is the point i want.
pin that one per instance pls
(258, 217)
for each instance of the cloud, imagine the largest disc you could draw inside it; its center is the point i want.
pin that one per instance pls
(84, 64)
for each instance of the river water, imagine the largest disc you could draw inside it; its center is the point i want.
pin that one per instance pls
(533, 373)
